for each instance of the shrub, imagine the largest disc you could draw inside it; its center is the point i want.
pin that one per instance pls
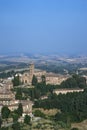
(38, 113)
(74, 129)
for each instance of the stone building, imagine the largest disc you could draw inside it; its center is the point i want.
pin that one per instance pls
(7, 98)
(55, 79)
(65, 91)
(26, 78)
(51, 78)
(27, 106)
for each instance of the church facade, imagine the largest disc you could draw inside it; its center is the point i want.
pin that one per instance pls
(51, 78)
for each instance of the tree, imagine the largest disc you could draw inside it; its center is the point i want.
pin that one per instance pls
(20, 109)
(16, 81)
(34, 80)
(4, 128)
(61, 117)
(16, 126)
(43, 79)
(18, 94)
(38, 113)
(81, 81)
(5, 112)
(74, 129)
(0, 122)
(15, 116)
(27, 119)
(76, 81)
(37, 93)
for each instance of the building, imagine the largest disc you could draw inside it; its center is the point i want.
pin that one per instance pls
(65, 91)
(55, 79)
(51, 78)
(7, 98)
(27, 106)
(26, 78)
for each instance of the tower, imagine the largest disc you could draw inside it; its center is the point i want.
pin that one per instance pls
(31, 70)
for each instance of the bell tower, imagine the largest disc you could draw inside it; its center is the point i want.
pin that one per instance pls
(31, 70)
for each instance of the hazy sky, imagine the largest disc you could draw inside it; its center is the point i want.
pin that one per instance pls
(41, 26)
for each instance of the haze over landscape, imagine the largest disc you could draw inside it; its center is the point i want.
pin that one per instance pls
(43, 26)
(43, 65)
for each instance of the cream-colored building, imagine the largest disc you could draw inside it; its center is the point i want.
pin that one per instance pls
(7, 98)
(55, 79)
(51, 78)
(27, 106)
(65, 91)
(26, 78)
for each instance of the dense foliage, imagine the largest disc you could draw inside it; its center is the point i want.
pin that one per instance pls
(38, 113)
(42, 89)
(34, 80)
(75, 81)
(34, 93)
(20, 109)
(0, 122)
(16, 81)
(72, 105)
(16, 126)
(5, 112)
(18, 94)
(27, 119)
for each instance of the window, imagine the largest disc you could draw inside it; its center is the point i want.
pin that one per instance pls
(25, 81)
(25, 74)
